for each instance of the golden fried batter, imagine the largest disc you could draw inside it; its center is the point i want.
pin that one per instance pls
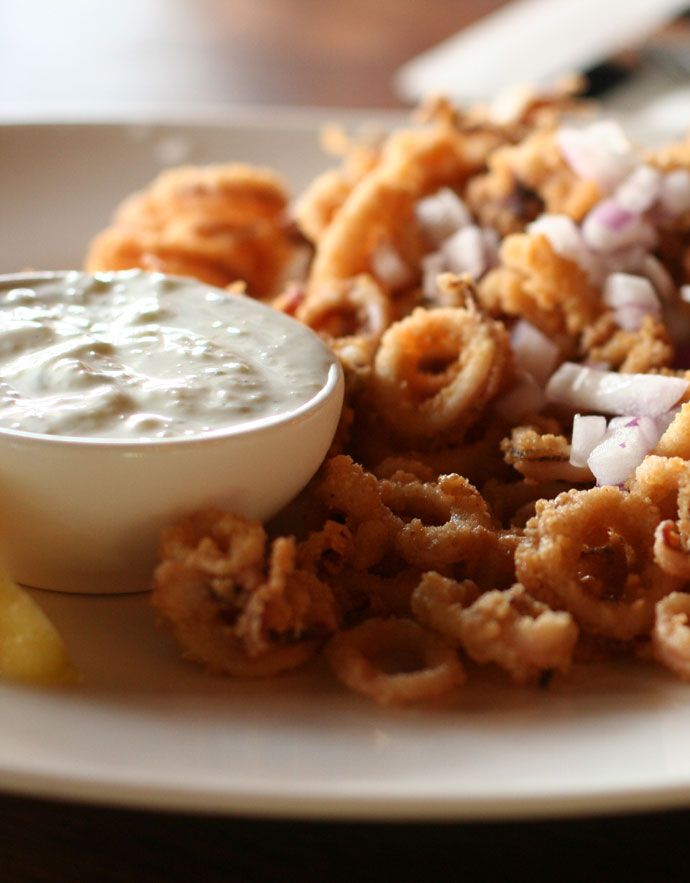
(220, 224)
(525, 180)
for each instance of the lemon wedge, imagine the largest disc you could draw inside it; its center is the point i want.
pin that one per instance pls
(31, 649)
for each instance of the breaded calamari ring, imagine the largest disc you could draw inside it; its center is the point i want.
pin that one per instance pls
(591, 552)
(347, 308)
(671, 633)
(675, 442)
(518, 633)
(228, 606)
(444, 522)
(358, 658)
(665, 481)
(535, 283)
(220, 223)
(542, 457)
(436, 370)
(347, 488)
(509, 628)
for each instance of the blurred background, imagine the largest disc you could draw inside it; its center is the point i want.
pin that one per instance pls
(80, 55)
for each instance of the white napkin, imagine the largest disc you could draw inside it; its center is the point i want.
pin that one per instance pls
(530, 42)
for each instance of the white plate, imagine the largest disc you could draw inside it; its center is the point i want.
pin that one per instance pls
(147, 729)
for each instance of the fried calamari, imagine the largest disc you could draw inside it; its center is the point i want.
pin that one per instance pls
(467, 510)
(219, 224)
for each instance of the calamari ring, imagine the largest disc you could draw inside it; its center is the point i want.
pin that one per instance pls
(347, 488)
(364, 592)
(675, 442)
(671, 633)
(219, 223)
(542, 456)
(590, 552)
(535, 283)
(665, 481)
(221, 544)
(510, 628)
(181, 597)
(670, 551)
(228, 598)
(438, 601)
(445, 522)
(518, 633)
(289, 605)
(347, 308)
(350, 653)
(436, 369)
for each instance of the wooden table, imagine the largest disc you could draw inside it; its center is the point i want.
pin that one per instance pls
(297, 52)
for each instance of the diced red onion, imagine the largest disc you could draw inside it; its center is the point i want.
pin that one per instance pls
(609, 227)
(648, 426)
(600, 152)
(663, 421)
(389, 267)
(674, 197)
(526, 397)
(465, 252)
(433, 265)
(659, 276)
(588, 431)
(441, 214)
(592, 389)
(617, 456)
(639, 191)
(640, 262)
(632, 298)
(533, 351)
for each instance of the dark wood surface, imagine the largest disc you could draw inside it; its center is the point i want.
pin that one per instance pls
(297, 52)
(42, 841)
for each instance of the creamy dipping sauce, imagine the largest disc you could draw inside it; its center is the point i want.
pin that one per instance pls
(134, 355)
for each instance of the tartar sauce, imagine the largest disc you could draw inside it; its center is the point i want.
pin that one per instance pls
(139, 355)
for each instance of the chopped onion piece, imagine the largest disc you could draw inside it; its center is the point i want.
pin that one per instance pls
(639, 190)
(609, 227)
(648, 426)
(584, 388)
(617, 456)
(659, 276)
(621, 289)
(533, 351)
(632, 297)
(441, 214)
(389, 267)
(674, 195)
(663, 421)
(526, 397)
(433, 265)
(600, 151)
(588, 431)
(685, 293)
(465, 252)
